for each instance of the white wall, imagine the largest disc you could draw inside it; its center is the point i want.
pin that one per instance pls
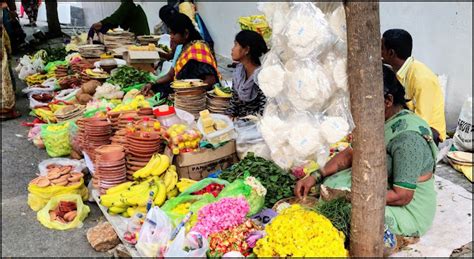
(96, 11)
(442, 39)
(221, 19)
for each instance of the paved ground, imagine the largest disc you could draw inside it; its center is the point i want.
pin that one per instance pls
(23, 235)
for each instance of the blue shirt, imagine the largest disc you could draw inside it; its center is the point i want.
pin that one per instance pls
(177, 52)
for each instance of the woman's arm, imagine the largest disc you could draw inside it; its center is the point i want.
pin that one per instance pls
(169, 77)
(210, 80)
(339, 162)
(399, 197)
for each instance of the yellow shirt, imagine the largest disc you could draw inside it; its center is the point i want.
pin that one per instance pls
(423, 89)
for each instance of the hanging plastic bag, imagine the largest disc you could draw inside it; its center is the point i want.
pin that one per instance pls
(257, 23)
(56, 139)
(309, 87)
(39, 196)
(184, 245)
(82, 211)
(464, 134)
(271, 77)
(77, 165)
(154, 234)
(307, 31)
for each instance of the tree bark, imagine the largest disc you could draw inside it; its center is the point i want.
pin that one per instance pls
(54, 27)
(369, 173)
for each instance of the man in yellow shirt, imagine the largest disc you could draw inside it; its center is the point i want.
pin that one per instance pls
(423, 90)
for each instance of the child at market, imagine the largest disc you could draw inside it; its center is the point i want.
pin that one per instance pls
(247, 98)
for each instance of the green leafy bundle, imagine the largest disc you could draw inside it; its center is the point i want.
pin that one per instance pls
(278, 182)
(338, 211)
(55, 54)
(126, 76)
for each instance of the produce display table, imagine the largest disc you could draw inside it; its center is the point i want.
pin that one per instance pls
(118, 223)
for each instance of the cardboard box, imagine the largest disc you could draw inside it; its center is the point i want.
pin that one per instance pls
(199, 165)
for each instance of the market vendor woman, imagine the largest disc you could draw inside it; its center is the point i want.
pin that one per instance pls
(411, 156)
(128, 16)
(247, 98)
(196, 60)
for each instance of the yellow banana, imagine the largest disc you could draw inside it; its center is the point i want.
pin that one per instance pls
(146, 171)
(183, 185)
(116, 210)
(160, 197)
(221, 93)
(171, 178)
(107, 200)
(162, 166)
(119, 188)
(125, 214)
(173, 193)
(133, 210)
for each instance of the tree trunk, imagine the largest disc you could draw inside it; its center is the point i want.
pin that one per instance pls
(54, 28)
(369, 173)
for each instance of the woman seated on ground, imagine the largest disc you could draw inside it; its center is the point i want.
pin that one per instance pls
(196, 60)
(411, 156)
(247, 98)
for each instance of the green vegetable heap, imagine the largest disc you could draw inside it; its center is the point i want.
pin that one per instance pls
(126, 76)
(55, 54)
(338, 211)
(278, 182)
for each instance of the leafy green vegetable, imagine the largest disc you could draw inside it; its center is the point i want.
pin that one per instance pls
(279, 183)
(338, 211)
(55, 54)
(126, 76)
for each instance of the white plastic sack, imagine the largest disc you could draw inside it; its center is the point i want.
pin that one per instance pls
(307, 30)
(463, 136)
(191, 245)
(78, 165)
(154, 234)
(38, 65)
(26, 71)
(34, 103)
(66, 94)
(271, 76)
(50, 84)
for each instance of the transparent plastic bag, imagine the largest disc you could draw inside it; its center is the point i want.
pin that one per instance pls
(26, 71)
(218, 136)
(271, 77)
(339, 106)
(34, 103)
(308, 85)
(184, 245)
(57, 142)
(154, 234)
(66, 94)
(304, 137)
(38, 197)
(464, 136)
(82, 212)
(77, 165)
(50, 85)
(308, 31)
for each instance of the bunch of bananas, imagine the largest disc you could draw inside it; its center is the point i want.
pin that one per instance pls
(129, 198)
(155, 167)
(35, 79)
(96, 74)
(184, 184)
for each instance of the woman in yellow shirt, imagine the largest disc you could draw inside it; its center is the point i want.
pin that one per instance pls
(423, 90)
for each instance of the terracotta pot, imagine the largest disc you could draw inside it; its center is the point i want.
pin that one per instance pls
(131, 157)
(135, 163)
(141, 137)
(111, 156)
(109, 148)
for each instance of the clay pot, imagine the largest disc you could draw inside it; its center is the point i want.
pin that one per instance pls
(137, 159)
(111, 156)
(135, 163)
(142, 137)
(109, 148)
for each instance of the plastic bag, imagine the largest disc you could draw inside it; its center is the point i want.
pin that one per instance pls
(82, 212)
(271, 77)
(52, 65)
(34, 103)
(202, 184)
(464, 134)
(77, 165)
(196, 201)
(309, 87)
(66, 95)
(26, 71)
(39, 196)
(218, 136)
(154, 234)
(191, 245)
(257, 23)
(307, 30)
(57, 141)
(38, 64)
(34, 131)
(49, 85)
(240, 188)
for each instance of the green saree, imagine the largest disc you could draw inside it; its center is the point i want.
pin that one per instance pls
(410, 154)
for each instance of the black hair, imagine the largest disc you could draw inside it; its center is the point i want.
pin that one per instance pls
(400, 41)
(391, 86)
(179, 23)
(255, 42)
(166, 13)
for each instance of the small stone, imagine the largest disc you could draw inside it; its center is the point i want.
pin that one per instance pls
(102, 237)
(23, 214)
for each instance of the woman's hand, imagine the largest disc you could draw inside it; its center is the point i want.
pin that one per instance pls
(97, 26)
(146, 90)
(303, 186)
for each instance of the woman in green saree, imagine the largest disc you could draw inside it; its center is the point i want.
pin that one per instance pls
(411, 156)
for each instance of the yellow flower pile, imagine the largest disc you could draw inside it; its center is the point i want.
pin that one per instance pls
(299, 232)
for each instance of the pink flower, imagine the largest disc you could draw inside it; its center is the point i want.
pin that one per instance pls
(221, 215)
